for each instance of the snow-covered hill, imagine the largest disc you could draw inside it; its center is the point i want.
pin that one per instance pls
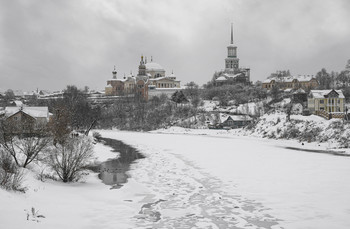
(332, 133)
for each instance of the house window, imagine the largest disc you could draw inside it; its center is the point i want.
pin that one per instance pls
(321, 108)
(15, 118)
(321, 101)
(338, 101)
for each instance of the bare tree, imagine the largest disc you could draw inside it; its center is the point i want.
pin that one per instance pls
(70, 158)
(288, 108)
(59, 125)
(23, 141)
(82, 115)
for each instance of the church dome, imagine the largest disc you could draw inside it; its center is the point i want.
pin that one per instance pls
(154, 66)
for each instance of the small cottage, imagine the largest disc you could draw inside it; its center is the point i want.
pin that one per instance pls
(235, 121)
(27, 117)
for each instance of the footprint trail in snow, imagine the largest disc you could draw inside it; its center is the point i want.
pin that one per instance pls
(183, 196)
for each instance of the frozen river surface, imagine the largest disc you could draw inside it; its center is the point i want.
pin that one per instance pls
(236, 182)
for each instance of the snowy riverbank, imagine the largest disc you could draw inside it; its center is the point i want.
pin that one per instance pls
(310, 133)
(85, 204)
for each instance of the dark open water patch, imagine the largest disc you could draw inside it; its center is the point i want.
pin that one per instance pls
(114, 172)
(332, 152)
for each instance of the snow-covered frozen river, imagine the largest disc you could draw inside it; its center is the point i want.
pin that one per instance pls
(198, 181)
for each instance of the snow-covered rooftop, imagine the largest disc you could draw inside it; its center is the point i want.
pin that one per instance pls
(226, 76)
(300, 90)
(289, 79)
(319, 94)
(232, 75)
(36, 112)
(162, 78)
(224, 117)
(221, 78)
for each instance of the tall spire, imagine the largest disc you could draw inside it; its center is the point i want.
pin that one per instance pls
(114, 73)
(141, 62)
(231, 33)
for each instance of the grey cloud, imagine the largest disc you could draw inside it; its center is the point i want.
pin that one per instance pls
(50, 44)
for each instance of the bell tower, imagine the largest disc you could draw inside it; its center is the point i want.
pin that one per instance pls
(231, 62)
(142, 67)
(114, 73)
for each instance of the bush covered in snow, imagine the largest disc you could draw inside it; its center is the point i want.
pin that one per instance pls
(303, 128)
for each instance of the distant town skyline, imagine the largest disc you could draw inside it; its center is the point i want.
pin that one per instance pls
(51, 44)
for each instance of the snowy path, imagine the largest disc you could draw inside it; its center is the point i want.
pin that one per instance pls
(187, 198)
(181, 195)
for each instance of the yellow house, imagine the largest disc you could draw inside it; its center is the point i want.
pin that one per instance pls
(327, 103)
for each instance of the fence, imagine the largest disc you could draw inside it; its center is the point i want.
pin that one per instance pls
(330, 115)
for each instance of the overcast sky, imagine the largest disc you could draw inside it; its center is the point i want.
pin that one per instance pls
(48, 44)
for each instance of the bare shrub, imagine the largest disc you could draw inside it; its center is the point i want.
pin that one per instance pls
(23, 141)
(11, 177)
(25, 150)
(252, 125)
(34, 215)
(344, 142)
(291, 133)
(337, 124)
(69, 159)
(96, 135)
(310, 134)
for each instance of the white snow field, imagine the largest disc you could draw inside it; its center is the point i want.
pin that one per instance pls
(239, 182)
(195, 181)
